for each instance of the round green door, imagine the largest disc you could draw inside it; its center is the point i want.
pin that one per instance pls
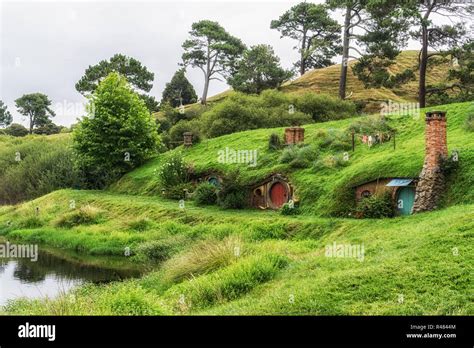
(405, 200)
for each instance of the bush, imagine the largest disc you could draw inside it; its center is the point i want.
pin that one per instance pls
(204, 257)
(299, 156)
(233, 194)
(174, 171)
(178, 191)
(330, 161)
(205, 194)
(86, 215)
(469, 125)
(377, 206)
(140, 224)
(16, 130)
(274, 142)
(334, 140)
(176, 132)
(324, 107)
(286, 209)
(156, 250)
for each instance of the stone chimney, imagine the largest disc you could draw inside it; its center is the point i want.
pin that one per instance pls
(187, 139)
(294, 135)
(432, 181)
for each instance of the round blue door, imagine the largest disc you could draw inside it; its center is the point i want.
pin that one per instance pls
(405, 200)
(213, 181)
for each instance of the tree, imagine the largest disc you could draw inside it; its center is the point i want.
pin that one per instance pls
(318, 35)
(438, 36)
(36, 107)
(137, 75)
(5, 116)
(259, 69)
(382, 31)
(117, 135)
(179, 91)
(211, 49)
(16, 130)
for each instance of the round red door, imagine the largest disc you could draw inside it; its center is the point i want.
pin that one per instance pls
(278, 194)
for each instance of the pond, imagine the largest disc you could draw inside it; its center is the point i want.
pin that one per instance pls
(51, 275)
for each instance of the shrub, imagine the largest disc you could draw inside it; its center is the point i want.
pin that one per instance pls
(205, 194)
(174, 171)
(176, 132)
(286, 209)
(323, 107)
(178, 191)
(334, 140)
(156, 250)
(140, 224)
(16, 130)
(232, 195)
(204, 257)
(299, 156)
(377, 206)
(85, 215)
(289, 154)
(330, 161)
(469, 125)
(274, 142)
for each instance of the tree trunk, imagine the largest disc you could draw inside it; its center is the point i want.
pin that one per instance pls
(31, 124)
(423, 66)
(303, 55)
(345, 55)
(204, 93)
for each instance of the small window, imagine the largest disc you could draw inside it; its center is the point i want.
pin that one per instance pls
(365, 194)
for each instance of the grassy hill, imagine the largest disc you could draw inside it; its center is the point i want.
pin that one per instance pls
(326, 80)
(328, 191)
(214, 261)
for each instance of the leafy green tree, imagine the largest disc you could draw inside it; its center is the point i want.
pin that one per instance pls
(137, 75)
(318, 35)
(117, 135)
(5, 116)
(213, 50)
(259, 69)
(179, 91)
(36, 107)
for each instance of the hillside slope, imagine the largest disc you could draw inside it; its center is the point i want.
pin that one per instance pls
(328, 191)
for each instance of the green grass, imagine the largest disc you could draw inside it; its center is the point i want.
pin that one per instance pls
(415, 265)
(327, 191)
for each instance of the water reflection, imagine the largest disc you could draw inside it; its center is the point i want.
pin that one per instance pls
(50, 275)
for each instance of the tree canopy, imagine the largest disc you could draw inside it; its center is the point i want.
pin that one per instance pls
(35, 106)
(136, 73)
(117, 135)
(213, 50)
(259, 69)
(318, 35)
(5, 116)
(179, 91)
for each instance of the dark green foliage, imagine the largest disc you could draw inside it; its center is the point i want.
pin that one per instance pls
(178, 191)
(156, 250)
(117, 135)
(334, 139)
(375, 207)
(318, 35)
(259, 69)
(5, 115)
(205, 194)
(35, 106)
(324, 107)
(299, 156)
(43, 168)
(86, 215)
(287, 210)
(179, 91)
(16, 130)
(371, 125)
(48, 129)
(450, 164)
(176, 132)
(212, 49)
(233, 194)
(274, 142)
(137, 75)
(241, 112)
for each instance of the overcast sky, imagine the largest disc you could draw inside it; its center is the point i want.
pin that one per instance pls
(46, 46)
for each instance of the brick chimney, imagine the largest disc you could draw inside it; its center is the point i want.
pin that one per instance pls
(432, 181)
(294, 135)
(188, 139)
